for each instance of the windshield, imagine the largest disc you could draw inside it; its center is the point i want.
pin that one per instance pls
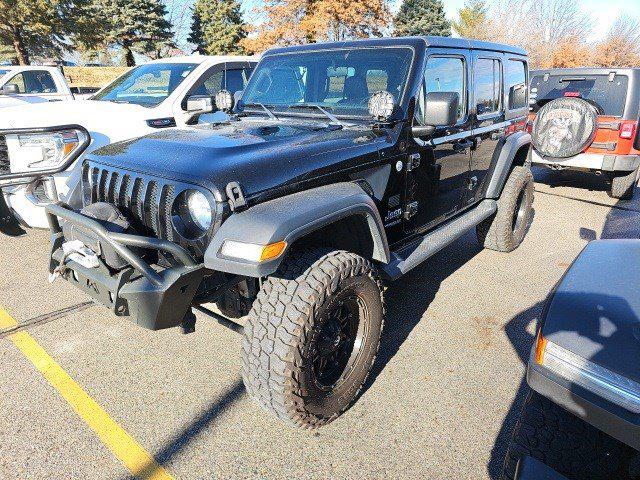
(146, 85)
(609, 96)
(340, 80)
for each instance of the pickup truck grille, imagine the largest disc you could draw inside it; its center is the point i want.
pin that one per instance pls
(4, 156)
(146, 201)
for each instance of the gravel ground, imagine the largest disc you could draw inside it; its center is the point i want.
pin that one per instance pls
(441, 404)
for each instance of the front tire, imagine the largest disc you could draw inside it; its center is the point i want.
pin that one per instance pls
(566, 443)
(312, 336)
(506, 230)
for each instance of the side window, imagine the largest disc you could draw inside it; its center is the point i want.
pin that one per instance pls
(18, 81)
(34, 82)
(444, 74)
(516, 82)
(232, 80)
(487, 86)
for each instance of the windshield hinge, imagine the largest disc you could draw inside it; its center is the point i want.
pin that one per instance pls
(235, 196)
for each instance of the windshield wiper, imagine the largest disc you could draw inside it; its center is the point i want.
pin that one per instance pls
(261, 105)
(332, 118)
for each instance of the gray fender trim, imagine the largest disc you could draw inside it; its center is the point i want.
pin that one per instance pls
(503, 166)
(290, 218)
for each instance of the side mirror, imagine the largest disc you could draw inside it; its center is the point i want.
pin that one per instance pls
(518, 95)
(440, 110)
(200, 104)
(11, 89)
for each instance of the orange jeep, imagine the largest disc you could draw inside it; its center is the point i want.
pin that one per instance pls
(587, 119)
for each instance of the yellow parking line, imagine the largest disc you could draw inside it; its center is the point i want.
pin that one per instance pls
(137, 460)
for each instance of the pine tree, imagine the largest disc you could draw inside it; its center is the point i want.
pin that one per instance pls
(421, 17)
(472, 20)
(217, 27)
(135, 26)
(44, 27)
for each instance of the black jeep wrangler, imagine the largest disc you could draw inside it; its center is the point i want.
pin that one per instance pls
(342, 167)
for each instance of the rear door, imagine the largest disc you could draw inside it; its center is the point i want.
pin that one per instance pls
(488, 117)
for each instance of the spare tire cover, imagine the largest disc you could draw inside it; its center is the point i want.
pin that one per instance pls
(564, 127)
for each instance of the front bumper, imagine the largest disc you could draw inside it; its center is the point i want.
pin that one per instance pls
(153, 298)
(590, 161)
(602, 414)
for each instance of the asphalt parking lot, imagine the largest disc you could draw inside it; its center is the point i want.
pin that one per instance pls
(443, 400)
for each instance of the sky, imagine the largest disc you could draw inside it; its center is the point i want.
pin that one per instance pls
(604, 12)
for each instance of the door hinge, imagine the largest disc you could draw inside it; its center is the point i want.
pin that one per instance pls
(473, 182)
(410, 210)
(413, 162)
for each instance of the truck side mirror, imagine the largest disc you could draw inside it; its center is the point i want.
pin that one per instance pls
(440, 110)
(200, 104)
(10, 89)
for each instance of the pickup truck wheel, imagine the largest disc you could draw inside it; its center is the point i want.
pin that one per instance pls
(505, 230)
(622, 186)
(312, 336)
(566, 443)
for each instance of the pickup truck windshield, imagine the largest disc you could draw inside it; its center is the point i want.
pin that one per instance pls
(338, 80)
(146, 85)
(609, 95)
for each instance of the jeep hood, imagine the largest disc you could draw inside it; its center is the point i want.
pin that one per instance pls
(260, 156)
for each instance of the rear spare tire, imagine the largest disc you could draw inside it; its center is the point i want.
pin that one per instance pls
(564, 127)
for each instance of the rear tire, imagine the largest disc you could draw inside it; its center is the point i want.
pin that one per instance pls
(622, 186)
(505, 230)
(566, 443)
(312, 336)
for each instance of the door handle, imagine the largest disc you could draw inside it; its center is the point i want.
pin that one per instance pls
(462, 145)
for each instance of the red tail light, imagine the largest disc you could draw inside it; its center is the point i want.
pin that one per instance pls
(627, 130)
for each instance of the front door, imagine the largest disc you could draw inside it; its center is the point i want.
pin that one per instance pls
(438, 167)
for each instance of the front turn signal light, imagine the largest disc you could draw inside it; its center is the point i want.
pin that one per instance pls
(252, 252)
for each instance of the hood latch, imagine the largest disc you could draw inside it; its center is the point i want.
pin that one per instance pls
(235, 196)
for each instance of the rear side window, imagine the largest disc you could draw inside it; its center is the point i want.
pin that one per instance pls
(609, 96)
(516, 81)
(487, 86)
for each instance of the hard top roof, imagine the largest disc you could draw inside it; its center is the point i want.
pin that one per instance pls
(443, 42)
(586, 71)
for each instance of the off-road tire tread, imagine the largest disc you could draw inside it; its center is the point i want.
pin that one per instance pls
(564, 442)
(495, 233)
(280, 321)
(622, 187)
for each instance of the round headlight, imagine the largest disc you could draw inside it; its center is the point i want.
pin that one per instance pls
(199, 209)
(192, 214)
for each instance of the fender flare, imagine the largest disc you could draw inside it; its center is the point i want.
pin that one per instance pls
(290, 218)
(504, 163)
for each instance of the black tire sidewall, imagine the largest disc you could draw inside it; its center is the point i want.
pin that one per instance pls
(326, 403)
(526, 186)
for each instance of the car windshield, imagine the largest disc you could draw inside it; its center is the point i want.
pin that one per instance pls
(609, 94)
(338, 80)
(146, 85)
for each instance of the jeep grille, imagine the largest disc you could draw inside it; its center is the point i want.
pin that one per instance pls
(4, 156)
(146, 202)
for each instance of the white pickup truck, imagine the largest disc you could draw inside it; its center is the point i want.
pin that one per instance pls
(42, 145)
(31, 84)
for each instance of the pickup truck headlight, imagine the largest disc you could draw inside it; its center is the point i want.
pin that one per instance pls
(34, 152)
(609, 385)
